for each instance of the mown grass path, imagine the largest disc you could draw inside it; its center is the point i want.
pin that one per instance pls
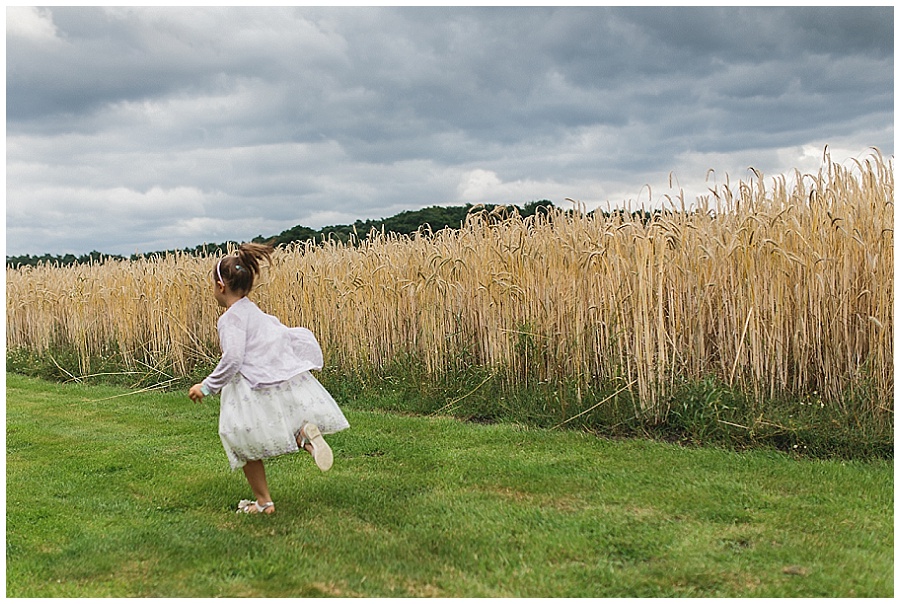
(132, 496)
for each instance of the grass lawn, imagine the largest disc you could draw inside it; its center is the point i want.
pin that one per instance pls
(132, 497)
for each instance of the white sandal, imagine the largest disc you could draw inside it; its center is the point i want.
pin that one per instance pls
(253, 507)
(321, 452)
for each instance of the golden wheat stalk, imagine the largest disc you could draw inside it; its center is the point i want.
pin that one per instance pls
(779, 291)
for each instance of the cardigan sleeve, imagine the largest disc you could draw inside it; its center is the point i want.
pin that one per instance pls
(233, 340)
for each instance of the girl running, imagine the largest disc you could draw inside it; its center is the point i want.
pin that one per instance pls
(270, 403)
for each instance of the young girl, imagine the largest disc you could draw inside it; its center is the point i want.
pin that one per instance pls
(270, 404)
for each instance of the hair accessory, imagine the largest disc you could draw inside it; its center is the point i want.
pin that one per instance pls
(237, 267)
(219, 272)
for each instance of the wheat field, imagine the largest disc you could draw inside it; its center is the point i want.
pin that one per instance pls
(777, 287)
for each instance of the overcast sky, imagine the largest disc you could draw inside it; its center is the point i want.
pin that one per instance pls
(133, 129)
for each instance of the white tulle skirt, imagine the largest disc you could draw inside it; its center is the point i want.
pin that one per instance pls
(263, 423)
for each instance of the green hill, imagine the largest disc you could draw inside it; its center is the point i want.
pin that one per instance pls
(434, 218)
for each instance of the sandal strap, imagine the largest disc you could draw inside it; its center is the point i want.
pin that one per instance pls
(244, 506)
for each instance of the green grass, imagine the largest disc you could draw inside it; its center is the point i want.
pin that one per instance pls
(132, 497)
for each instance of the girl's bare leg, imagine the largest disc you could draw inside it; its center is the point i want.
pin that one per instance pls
(255, 472)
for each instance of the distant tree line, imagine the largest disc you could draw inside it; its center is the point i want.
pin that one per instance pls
(408, 222)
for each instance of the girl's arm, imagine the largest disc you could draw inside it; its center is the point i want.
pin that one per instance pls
(233, 339)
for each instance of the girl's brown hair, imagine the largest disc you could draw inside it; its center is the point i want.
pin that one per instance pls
(239, 270)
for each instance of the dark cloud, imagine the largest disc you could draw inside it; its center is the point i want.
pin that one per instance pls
(193, 124)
